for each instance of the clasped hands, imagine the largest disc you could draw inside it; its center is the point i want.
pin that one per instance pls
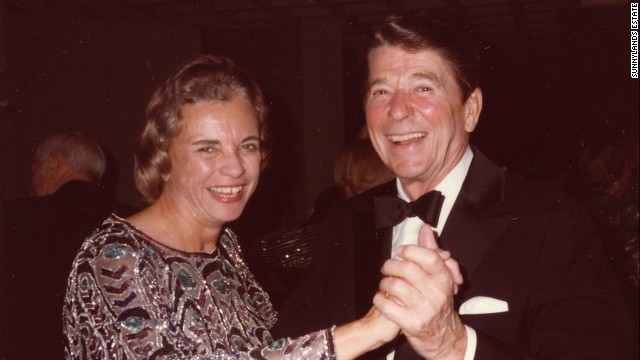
(416, 297)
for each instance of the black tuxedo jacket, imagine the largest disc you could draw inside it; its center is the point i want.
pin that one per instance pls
(527, 245)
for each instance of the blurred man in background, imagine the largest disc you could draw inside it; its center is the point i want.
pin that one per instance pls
(41, 235)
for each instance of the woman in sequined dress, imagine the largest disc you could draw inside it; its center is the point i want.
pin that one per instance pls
(170, 282)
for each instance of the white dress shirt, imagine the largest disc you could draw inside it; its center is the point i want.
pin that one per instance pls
(406, 233)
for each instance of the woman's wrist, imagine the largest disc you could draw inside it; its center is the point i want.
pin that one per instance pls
(355, 338)
(346, 342)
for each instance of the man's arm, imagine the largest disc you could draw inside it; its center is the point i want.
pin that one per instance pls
(575, 309)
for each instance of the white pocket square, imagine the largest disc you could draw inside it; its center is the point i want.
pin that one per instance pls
(483, 305)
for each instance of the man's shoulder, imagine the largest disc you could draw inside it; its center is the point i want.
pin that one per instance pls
(517, 192)
(522, 188)
(74, 211)
(364, 200)
(492, 190)
(526, 198)
(91, 198)
(25, 209)
(21, 203)
(342, 214)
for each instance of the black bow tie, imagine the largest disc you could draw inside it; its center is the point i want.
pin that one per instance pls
(391, 210)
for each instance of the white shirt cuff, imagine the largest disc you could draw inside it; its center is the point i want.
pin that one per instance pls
(472, 342)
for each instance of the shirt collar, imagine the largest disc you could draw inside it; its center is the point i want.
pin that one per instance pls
(449, 186)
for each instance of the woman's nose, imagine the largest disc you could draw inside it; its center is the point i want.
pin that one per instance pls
(233, 166)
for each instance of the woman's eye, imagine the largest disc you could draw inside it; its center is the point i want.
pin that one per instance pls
(424, 88)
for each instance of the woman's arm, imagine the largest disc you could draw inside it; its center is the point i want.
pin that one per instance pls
(119, 305)
(363, 335)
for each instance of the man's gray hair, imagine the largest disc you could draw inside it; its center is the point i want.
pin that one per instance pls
(81, 152)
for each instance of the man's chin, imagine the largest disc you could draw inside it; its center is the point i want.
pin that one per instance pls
(409, 172)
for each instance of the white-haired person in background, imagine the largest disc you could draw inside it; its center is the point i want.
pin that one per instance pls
(40, 236)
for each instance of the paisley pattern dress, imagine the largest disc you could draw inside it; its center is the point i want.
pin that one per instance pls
(129, 297)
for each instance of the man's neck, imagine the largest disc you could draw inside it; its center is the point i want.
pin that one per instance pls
(414, 188)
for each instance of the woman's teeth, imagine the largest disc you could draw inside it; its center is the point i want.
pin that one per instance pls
(225, 190)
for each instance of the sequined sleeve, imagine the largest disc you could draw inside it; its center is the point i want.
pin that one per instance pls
(128, 300)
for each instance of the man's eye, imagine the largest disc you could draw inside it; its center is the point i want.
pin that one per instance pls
(206, 149)
(250, 147)
(424, 88)
(378, 92)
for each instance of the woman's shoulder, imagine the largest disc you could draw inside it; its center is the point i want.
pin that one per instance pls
(229, 250)
(113, 239)
(229, 243)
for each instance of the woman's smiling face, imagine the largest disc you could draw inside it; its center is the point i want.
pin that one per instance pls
(215, 160)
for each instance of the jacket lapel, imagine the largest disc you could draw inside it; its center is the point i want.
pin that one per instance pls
(371, 249)
(476, 220)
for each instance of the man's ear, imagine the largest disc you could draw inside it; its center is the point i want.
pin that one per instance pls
(53, 163)
(472, 109)
(51, 169)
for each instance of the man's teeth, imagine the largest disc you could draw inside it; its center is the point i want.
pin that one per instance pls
(398, 138)
(228, 191)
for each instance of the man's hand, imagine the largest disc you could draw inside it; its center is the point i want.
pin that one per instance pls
(417, 294)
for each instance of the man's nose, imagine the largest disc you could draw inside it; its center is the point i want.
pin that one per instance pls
(400, 106)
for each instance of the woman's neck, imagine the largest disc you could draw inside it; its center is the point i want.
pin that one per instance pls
(177, 228)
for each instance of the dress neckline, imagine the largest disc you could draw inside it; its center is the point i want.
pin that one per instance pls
(155, 243)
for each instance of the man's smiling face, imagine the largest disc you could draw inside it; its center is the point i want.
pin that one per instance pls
(416, 119)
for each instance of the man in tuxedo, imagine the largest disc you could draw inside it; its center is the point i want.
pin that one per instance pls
(535, 286)
(40, 237)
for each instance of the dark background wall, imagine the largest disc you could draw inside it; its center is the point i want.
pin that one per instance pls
(67, 71)
(544, 100)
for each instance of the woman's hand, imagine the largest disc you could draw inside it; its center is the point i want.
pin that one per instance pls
(383, 329)
(363, 335)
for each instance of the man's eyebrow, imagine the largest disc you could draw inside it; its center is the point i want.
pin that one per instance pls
(208, 142)
(251, 138)
(373, 82)
(420, 75)
(429, 75)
